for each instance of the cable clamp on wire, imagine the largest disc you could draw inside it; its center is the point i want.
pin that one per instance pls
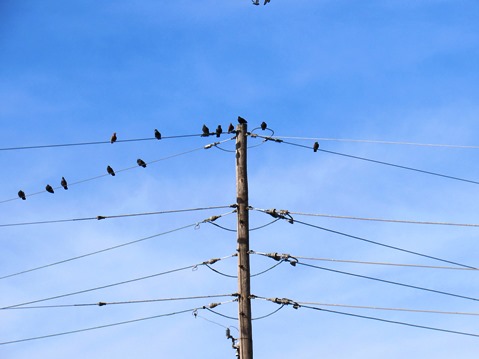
(235, 205)
(212, 145)
(212, 261)
(285, 301)
(283, 257)
(212, 305)
(283, 214)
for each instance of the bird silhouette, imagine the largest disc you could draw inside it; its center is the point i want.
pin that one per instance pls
(21, 194)
(255, 2)
(241, 120)
(206, 131)
(231, 128)
(110, 171)
(157, 134)
(141, 163)
(315, 147)
(64, 183)
(113, 138)
(219, 131)
(266, 1)
(263, 125)
(49, 188)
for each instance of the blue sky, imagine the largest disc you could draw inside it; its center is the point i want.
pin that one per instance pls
(74, 71)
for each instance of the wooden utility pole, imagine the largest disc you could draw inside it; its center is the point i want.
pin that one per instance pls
(244, 300)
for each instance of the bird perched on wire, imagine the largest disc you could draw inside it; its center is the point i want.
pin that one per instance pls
(49, 188)
(206, 131)
(263, 125)
(113, 138)
(231, 128)
(64, 183)
(21, 194)
(315, 147)
(141, 163)
(219, 131)
(241, 120)
(110, 171)
(157, 134)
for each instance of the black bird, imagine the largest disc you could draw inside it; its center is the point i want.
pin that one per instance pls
(263, 125)
(113, 137)
(255, 2)
(315, 147)
(21, 194)
(141, 163)
(64, 183)
(266, 1)
(157, 134)
(206, 131)
(49, 188)
(231, 128)
(110, 171)
(241, 120)
(219, 131)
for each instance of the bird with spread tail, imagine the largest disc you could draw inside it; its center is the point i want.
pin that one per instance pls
(113, 138)
(110, 171)
(231, 128)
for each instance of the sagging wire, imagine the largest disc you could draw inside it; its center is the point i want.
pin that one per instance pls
(195, 225)
(297, 305)
(251, 230)
(252, 275)
(192, 267)
(285, 214)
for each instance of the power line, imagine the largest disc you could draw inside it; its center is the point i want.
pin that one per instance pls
(196, 224)
(373, 161)
(101, 303)
(284, 214)
(124, 169)
(389, 309)
(114, 216)
(211, 261)
(297, 305)
(378, 142)
(385, 220)
(389, 282)
(96, 142)
(192, 310)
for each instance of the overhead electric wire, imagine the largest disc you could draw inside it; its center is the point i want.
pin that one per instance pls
(109, 248)
(101, 303)
(297, 305)
(389, 282)
(194, 266)
(377, 142)
(373, 161)
(426, 311)
(364, 239)
(385, 220)
(113, 216)
(95, 142)
(192, 310)
(124, 169)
